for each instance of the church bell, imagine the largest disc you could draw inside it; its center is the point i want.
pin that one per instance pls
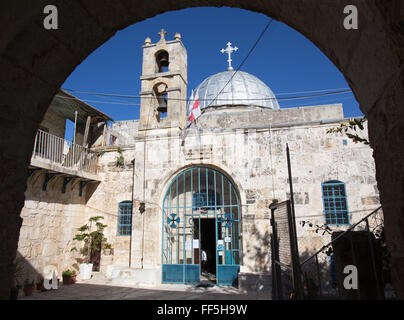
(161, 95)
(162, 59)
(162, 99)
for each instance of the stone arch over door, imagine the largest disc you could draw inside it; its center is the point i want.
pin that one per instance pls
(35, 62)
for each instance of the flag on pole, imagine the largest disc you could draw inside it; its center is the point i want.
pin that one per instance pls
(194, 111)
(189, 111)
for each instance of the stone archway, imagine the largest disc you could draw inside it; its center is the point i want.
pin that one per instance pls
(35, 62)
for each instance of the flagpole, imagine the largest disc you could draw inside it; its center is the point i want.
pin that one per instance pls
(194, 112)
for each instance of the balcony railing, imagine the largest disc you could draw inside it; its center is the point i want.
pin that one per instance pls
(56, 150)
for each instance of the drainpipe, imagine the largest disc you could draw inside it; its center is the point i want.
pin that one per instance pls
(142, 239)
(144, 197)
(130, 241)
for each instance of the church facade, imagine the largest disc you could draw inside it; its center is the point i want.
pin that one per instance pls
(174, 193)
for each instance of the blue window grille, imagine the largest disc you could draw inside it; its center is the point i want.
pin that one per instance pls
(124, 218)
(335, 203)
(205, 199)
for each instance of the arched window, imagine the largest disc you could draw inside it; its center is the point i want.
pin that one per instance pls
(335, 203)
(124, 218)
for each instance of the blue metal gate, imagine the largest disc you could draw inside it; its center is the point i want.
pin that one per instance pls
(193, 195)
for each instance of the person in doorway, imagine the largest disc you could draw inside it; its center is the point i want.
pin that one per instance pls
(204, 258)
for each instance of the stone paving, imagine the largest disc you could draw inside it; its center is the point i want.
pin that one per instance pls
(102, 290)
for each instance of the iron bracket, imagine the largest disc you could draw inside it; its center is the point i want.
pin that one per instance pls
(48, 178)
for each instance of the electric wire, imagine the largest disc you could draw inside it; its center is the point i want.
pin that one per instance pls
(313, 91)
(324, 94)
(316, 101)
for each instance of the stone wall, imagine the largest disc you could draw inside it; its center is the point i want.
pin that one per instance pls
(125, 131)
(116, 186)
(50, 220)
(255, 159)
(240, 117)
(55, 123)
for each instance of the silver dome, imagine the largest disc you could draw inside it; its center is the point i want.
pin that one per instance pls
(244, 89)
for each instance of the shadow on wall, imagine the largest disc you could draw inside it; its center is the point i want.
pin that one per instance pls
(25, 276)
(260, 252)
(54, 194)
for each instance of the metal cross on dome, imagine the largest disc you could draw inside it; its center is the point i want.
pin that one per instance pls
(171, 221)
(229, 50)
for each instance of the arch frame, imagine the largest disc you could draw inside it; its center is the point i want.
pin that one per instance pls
(228, 264)
(37, 62)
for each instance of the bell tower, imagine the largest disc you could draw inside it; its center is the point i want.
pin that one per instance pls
(163, 84)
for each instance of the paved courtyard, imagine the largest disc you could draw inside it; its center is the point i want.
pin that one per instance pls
(101, 290)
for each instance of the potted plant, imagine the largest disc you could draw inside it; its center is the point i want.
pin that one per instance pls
(107, 249)
(29, 287)
(39, 285)
(92, 242)
(17, 275)
(69, 276)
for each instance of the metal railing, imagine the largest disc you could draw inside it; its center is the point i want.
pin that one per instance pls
(318, 271)
(56, 150)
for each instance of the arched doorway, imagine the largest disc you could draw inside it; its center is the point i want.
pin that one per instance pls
(201, 215)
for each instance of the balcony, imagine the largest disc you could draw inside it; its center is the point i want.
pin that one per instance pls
(55, 157)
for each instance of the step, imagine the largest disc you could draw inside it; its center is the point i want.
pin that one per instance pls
(121, 274)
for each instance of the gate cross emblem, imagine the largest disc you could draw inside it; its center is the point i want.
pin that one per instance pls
(227, 221)
(172, 220)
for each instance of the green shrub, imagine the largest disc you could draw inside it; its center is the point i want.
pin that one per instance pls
(69, 273)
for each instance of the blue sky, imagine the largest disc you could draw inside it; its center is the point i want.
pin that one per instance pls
(284, 59)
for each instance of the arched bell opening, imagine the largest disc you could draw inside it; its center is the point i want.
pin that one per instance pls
(161, 94)
(162, 61)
